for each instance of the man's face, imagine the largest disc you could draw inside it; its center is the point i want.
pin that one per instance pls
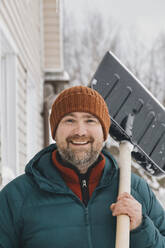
(79, 138)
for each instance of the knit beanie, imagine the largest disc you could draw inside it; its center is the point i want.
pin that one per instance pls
(79, 99)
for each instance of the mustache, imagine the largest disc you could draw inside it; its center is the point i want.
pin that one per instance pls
(80, 138)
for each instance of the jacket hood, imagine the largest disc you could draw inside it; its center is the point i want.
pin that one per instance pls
(44, 173)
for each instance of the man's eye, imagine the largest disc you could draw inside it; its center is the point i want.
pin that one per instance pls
(91, 121)
(69, 120)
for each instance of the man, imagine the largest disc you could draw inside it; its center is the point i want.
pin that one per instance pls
(68, 195)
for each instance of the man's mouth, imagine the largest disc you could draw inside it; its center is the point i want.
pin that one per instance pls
(79, 142)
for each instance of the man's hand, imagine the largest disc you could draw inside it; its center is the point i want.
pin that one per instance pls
(127, 205)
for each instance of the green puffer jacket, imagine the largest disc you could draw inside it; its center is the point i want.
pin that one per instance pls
(37, 210)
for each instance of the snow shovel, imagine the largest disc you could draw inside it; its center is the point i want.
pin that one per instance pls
(138, 123)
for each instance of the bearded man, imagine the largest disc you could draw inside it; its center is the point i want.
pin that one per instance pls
(68, 194)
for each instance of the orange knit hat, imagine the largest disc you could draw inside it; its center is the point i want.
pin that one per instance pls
(79, 99)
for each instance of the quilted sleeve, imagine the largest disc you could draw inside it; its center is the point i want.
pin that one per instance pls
(8, 226)
(151, 233)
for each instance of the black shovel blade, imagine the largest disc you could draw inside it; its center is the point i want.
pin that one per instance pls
(125, 95)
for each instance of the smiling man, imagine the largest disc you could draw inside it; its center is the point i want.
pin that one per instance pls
(68, 196)
(79, 138)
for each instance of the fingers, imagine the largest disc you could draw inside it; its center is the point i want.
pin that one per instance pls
(112, 206)
(124, 195)
(121, 207)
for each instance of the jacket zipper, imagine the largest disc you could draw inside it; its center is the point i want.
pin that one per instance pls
(85, 191)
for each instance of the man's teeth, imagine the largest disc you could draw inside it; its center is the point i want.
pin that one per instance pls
(80, 142)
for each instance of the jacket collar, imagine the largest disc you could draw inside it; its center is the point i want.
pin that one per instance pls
(48, 178)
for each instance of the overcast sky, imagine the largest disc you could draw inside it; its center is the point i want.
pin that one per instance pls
(146, 15)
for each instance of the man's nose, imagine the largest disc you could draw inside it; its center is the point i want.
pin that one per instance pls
(80, 129)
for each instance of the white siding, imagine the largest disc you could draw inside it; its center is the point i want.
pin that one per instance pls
(22, 113)
(8, 84)
(22, 19)
(32, 125)
(52, 36)
(0, 116)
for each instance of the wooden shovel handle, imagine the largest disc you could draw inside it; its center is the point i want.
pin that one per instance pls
(123, 221)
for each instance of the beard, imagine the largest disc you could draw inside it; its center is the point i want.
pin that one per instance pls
(81, 158)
